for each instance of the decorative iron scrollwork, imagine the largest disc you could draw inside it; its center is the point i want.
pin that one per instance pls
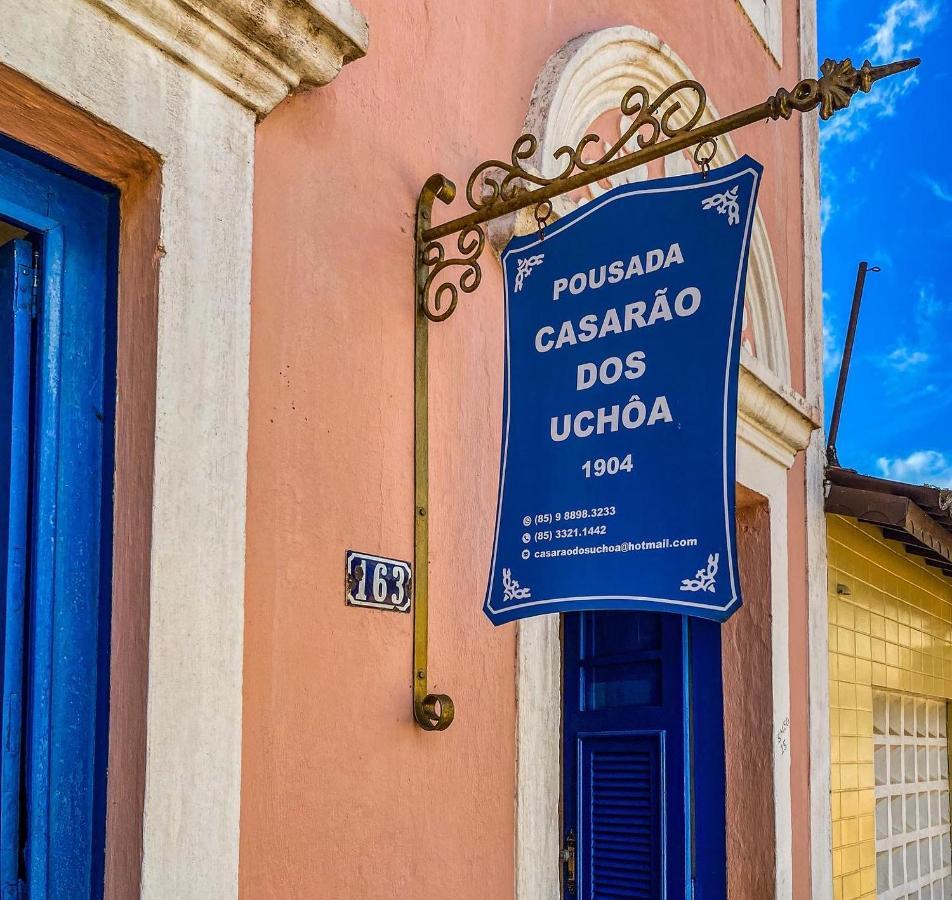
(496, 187)
(440, 301)
(649, 120)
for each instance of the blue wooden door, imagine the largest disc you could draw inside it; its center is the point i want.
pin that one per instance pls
(16, 320)
(52, 829)
(643, 761)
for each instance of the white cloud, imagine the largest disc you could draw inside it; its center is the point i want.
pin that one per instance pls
(827, 209)
(907, 362)
(892, 37)
(831, 349)
(928, 314)
(920, 467)
(902, 358)
(937, 188)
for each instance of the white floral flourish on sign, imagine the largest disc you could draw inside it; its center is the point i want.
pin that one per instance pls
(704, 579)
(526, 265)
(511, 590)
(724, 203)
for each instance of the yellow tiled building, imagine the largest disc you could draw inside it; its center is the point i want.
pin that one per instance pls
(890, 644)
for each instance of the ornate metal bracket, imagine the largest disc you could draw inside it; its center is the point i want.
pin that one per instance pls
(497, 188)
(433, 712)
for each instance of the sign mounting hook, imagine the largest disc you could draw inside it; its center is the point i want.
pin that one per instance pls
(704, 154)
(542, 213)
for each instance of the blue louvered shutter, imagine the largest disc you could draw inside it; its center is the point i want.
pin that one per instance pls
(621, 830)
(16, 295)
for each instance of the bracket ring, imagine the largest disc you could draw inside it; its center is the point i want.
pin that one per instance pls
(435, 712)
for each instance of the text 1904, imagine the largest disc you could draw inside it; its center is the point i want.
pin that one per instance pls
(595, 468)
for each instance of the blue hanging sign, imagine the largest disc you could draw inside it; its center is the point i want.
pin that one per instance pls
(620, 402)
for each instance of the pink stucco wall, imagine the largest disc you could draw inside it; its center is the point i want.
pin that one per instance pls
(342, 796)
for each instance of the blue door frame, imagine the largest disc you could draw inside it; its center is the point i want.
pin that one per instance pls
(16, 357)
(72, 224)
(643, 757)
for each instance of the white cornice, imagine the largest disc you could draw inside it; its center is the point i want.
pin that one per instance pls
(256, 51)
(775, 419)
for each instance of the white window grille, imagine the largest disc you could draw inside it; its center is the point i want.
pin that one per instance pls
(911, 763)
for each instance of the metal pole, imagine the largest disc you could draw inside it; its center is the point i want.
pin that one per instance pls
(864, 267)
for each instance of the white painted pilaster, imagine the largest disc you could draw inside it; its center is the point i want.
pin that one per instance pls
(821, 829)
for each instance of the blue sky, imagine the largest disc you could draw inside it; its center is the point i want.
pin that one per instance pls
(887, 197)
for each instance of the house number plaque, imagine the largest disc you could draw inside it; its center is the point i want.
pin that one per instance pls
(377, 582)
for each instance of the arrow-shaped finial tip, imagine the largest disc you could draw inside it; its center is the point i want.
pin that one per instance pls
(903, 65)
(893, 68)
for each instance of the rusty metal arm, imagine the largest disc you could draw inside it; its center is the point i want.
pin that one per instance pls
(497, 188)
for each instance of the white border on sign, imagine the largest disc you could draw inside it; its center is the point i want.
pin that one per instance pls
(568, 222)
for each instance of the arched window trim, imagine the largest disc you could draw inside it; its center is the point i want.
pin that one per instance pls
(585, 79)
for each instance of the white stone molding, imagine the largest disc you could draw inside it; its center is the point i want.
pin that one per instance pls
(582, 81)
(770, 416)
(821, 825)
(586, 79)
(764, 301)
(538, 757)
(256, 51)
(767, 19)
(759, 470)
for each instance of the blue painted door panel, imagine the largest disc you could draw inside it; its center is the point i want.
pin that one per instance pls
(641, 694)
(16, 320)
(72, 220)
(622, 821)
